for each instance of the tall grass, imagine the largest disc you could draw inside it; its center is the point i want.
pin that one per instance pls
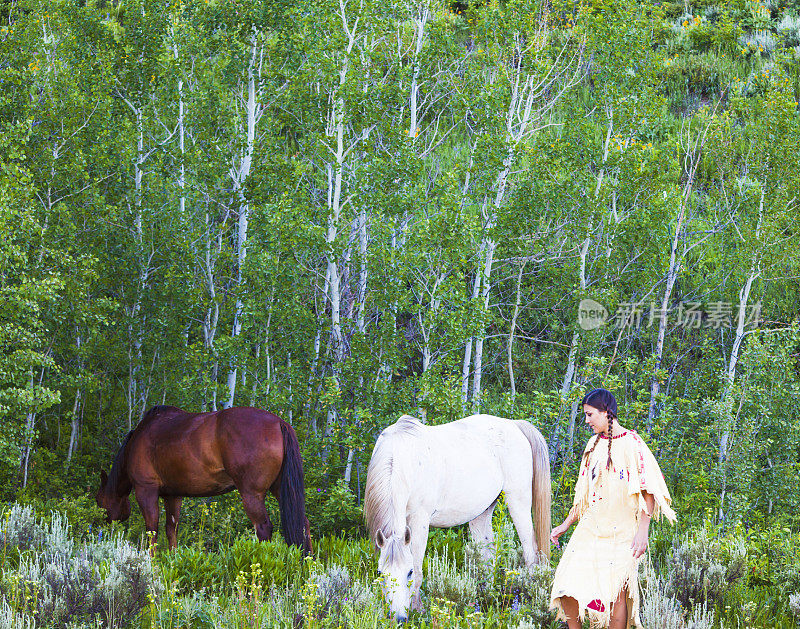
(52, 577)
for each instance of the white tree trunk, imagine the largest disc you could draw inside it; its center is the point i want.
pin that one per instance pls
(291, 392)
(488, 246)
(512, 329)
(420, 22)
(730, 371)
(239, 173)
(135, 329)
(569, 375)
(349, 467)
(672, 275)
(730, 376)
(335, 169)
(361, 293)
(75, 423)
(467, 363)
(30, 426)
(75, 418)
(181, 130)
(486, 285)
(211, 251)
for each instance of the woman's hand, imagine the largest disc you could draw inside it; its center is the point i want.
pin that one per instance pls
(559, 531)
(639, 544)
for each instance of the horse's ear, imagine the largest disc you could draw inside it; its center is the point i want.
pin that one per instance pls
(407, 538)
(103, 478)
(380, 540)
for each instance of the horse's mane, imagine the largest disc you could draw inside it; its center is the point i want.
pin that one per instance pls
(161, 409)
(117, 467)
(378, 504)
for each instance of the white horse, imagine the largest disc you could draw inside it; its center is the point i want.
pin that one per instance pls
(421, 476)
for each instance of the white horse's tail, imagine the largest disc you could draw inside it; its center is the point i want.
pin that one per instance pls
(541, 486)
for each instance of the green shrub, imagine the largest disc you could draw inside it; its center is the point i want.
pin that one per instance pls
(758, 44)
(794, 605)
(279, 564)
(189, 569)
(659, 610)
(714, 13)
(339, 512)
(789, 30)
(774, 558)
(61, 582)
(196, 610)
(448, 542)
(703, 567)
(10, 619)
(446, 582)
(701, 75)
(21, 531)
(214, 523)
(725, 34)
(337, 591)
(702, 36)
(357, 555)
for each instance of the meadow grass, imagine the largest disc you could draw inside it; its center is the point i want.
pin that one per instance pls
(52, 577)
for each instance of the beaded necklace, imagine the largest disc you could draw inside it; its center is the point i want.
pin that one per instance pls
(622, 434)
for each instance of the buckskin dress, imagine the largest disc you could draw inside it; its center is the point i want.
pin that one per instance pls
(598, 561)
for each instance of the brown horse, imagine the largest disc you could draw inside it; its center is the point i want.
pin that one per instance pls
(172, 453)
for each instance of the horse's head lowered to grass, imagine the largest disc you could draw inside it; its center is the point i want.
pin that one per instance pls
(396, 567)
(117, 507)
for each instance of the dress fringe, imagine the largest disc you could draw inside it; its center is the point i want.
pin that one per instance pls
(602, 618)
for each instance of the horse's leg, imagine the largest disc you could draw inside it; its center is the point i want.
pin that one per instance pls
(481, 530)
(419, 540)
(519, 507)
(147, 497)
(172, 508)
(256, 510)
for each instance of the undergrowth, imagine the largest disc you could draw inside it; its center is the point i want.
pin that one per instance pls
(54, 577)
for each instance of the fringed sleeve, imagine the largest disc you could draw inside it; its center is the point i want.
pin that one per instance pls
(581, 500)
(645, 476)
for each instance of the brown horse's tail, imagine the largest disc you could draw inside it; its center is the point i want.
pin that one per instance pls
(293, 492)
(541, 486)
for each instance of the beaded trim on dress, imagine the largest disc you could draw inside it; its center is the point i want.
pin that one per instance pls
(622, 434)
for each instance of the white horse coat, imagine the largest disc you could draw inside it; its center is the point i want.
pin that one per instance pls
(421, 476)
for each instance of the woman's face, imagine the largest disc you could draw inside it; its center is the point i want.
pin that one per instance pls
(595, 418)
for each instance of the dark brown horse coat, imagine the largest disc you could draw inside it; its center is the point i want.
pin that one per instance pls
(172, 453)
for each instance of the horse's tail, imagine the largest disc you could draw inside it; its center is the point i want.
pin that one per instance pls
(293, 492)
(541, 485)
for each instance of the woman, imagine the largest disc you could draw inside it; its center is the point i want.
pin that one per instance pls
(620, 488)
